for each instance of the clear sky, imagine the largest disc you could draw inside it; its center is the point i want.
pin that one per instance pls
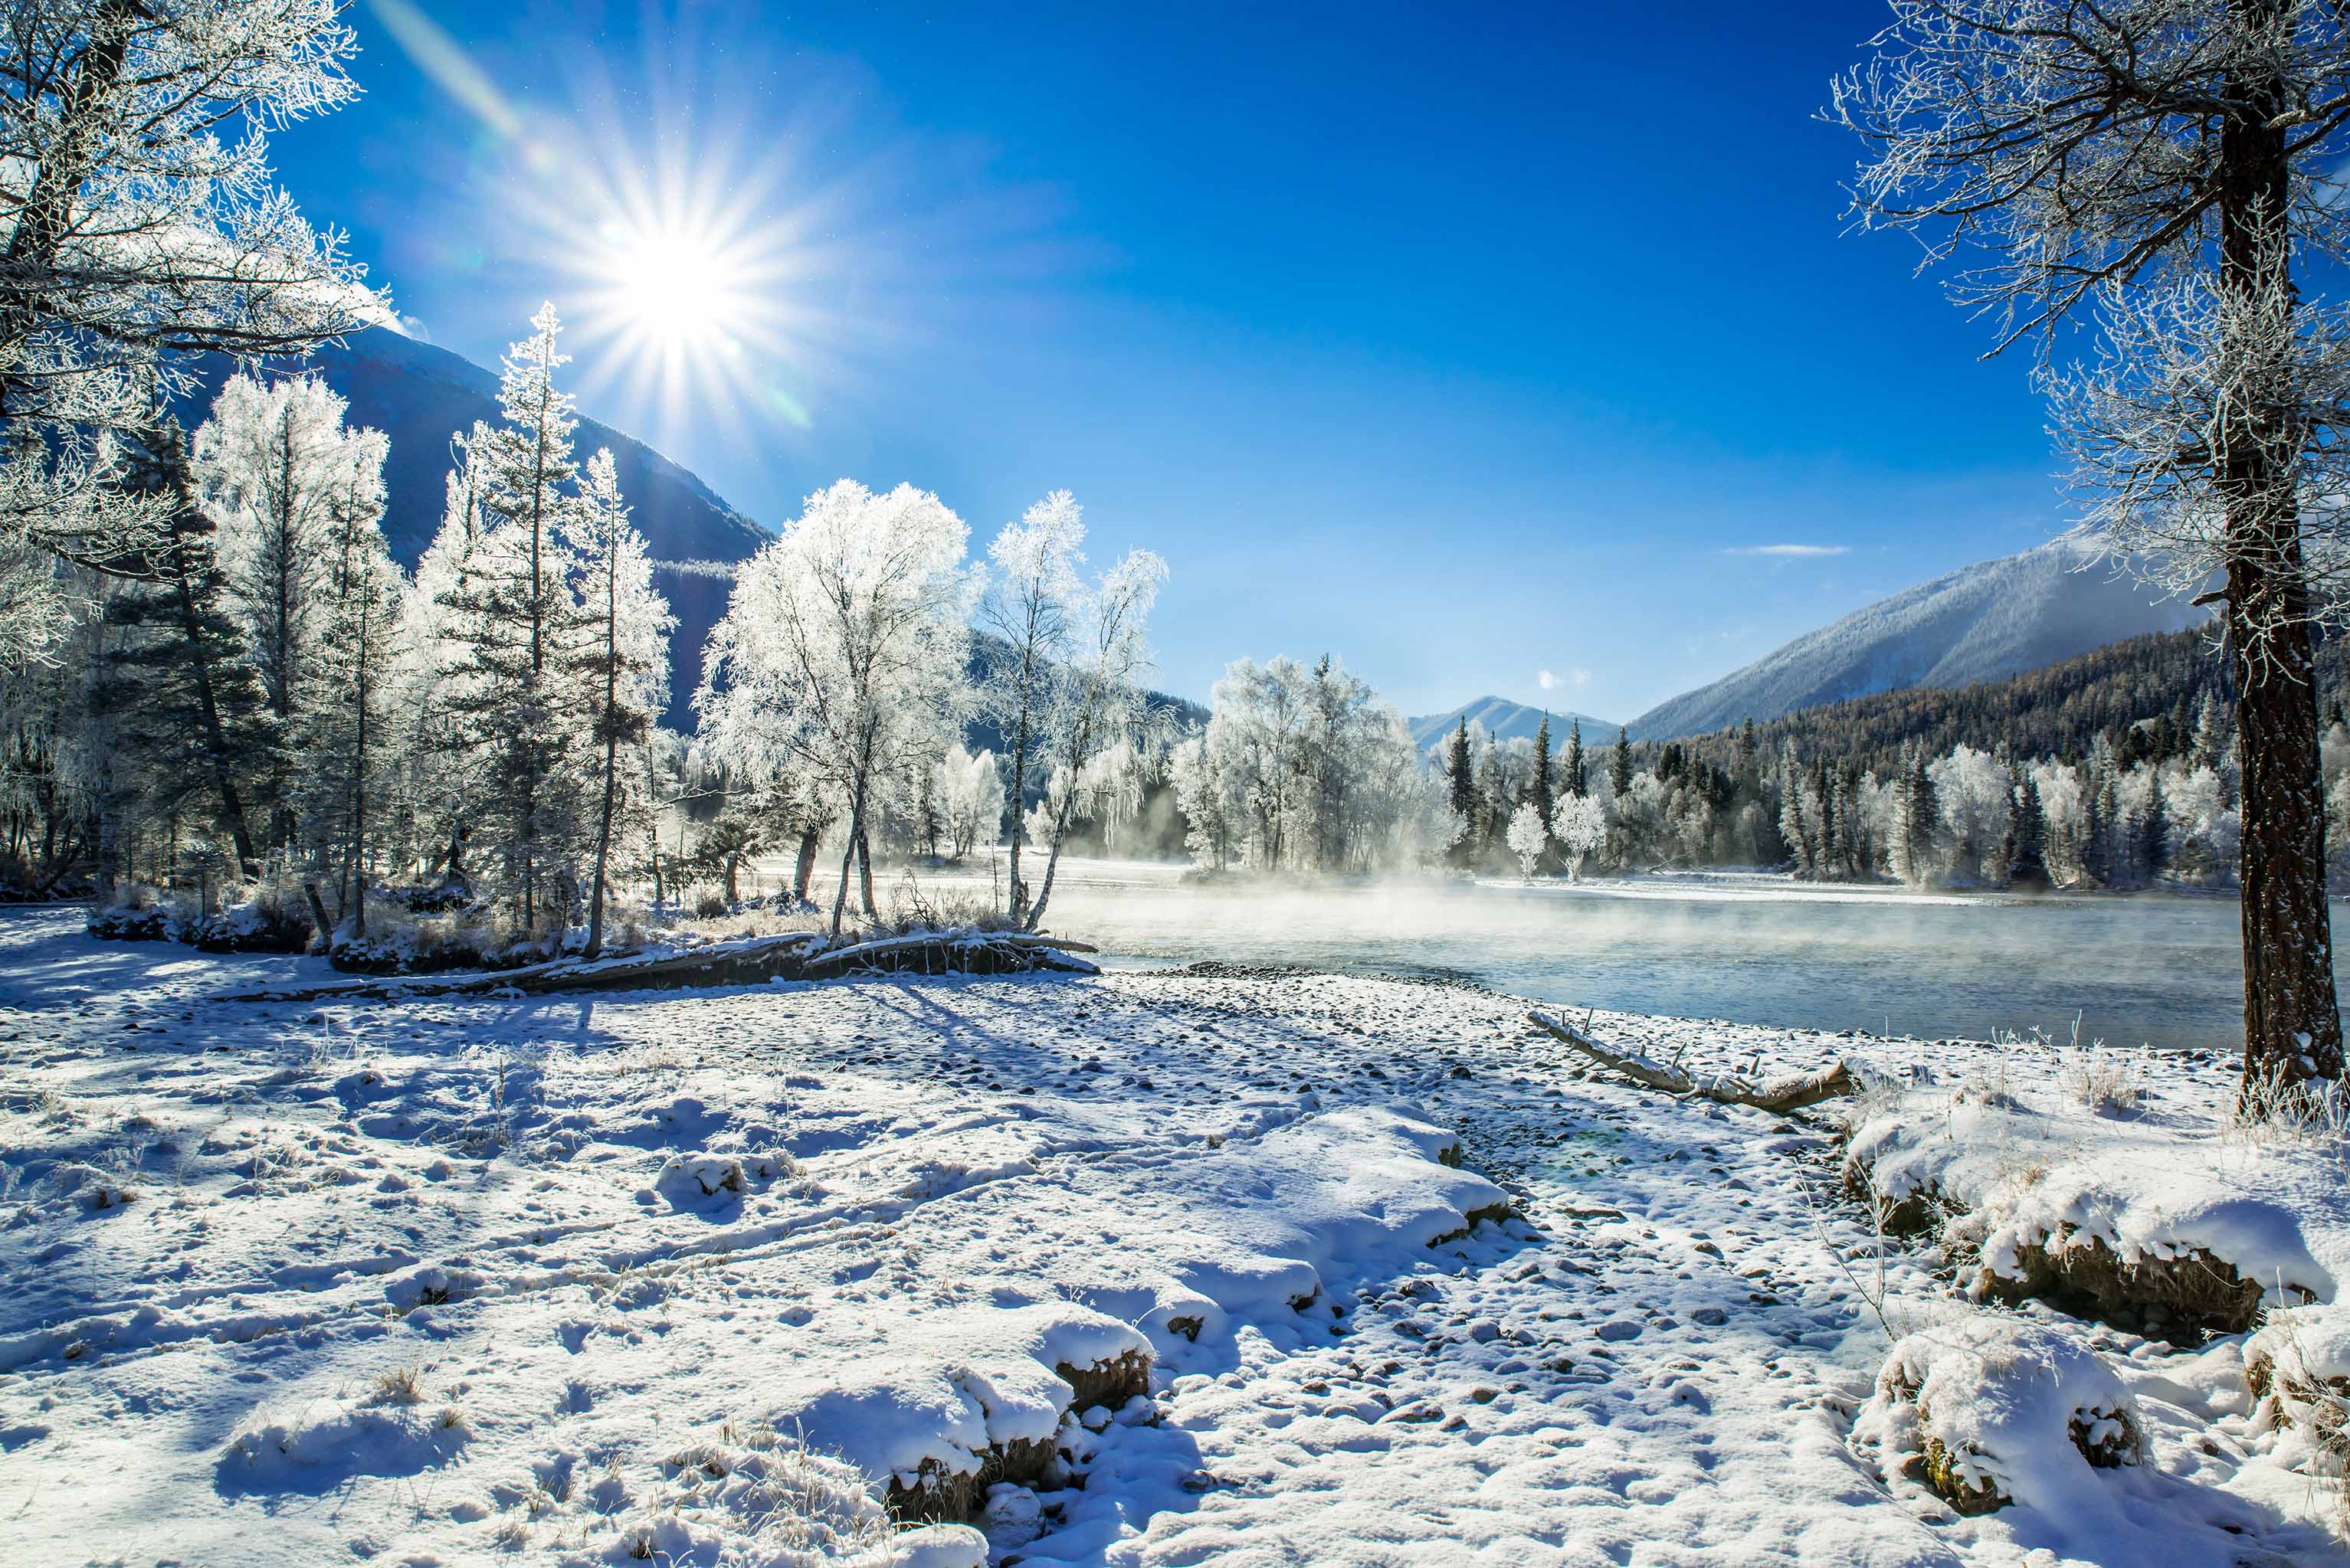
(1467, 346)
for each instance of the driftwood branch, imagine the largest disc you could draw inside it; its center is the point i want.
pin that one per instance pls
(1781, 1095)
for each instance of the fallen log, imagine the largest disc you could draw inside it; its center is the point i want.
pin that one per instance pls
(1780, 1094)
(750, 962)
(946, 952)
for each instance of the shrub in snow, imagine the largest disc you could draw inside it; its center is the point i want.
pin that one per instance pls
(132, 923)
(92, 1188)
(2298, 1368)
(1990, 1411)
(704, 1180)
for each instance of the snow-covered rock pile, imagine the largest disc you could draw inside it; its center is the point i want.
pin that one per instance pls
(1987, 1411)
(2154, 1220)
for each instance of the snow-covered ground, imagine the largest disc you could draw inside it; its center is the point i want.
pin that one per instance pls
(472, 1279)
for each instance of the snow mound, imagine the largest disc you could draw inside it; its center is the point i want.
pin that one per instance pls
(1325, 1202)
(1990, 1411)
(2136, 1217)
(707, 1180)
(941, 1546)
(344, 1438)
(950, 1395)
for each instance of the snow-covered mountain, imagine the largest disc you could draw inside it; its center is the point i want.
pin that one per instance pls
(1506, 720)
(1984, 622)
(420, 396)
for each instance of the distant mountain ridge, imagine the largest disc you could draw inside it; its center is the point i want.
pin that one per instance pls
(1505, 720)
(420, 396)
(1982, 623)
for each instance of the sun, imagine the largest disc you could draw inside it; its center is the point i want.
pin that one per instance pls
(674, 288)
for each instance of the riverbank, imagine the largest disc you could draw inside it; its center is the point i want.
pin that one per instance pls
(571, 1278)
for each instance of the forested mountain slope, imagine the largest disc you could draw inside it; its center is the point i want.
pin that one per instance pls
(1985, 622)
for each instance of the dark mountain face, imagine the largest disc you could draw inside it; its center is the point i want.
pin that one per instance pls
(420, 396)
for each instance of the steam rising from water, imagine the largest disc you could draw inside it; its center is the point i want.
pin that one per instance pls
(2140, 970)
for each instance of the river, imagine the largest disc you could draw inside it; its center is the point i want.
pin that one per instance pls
(2153, 968)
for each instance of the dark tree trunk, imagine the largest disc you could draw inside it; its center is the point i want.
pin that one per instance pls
(2293, 1023)
(805, 872)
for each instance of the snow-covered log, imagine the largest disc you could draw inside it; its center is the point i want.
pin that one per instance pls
(944, 953)
(1781, 1095)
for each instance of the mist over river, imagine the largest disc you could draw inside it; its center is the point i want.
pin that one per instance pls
(2153, 968)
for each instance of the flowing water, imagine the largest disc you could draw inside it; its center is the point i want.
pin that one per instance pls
(2151, 967)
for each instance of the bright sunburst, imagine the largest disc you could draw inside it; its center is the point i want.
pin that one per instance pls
(676, 288)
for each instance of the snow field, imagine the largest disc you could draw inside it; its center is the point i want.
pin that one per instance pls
(700, 1274)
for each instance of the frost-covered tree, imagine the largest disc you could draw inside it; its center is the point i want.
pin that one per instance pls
(284, 484)
(1975, 793)
(1580, 826)
(348, 743)
(505, 616)
(970, 799)
(1529, 837)
(2169, 167)
(843, 647)
(619, 653)
(1307, 770)
(1032, 604)
(180, 692)
(1102, 709)
(142, 224)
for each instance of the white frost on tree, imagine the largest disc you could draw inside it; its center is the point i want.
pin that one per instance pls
(842, 648)
(1579, 824)
(1529, 836)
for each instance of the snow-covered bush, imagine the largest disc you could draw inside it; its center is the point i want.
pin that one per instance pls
(1990, 1411)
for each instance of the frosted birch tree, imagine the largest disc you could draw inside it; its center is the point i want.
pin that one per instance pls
(842, 642)
(2169, 170)
(1579, 824)
(348, 741)
(1031, 603)
(1529, 836)
(970, 793)
(1103, 705)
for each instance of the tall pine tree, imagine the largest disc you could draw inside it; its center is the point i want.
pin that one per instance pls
(180, 689)
(506, 613)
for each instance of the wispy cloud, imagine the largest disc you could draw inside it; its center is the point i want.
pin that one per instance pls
(1789, 552)
(1546, 681)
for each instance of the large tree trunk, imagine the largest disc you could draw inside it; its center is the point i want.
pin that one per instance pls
(603, 841)
(804, 871)
(2292, 1024)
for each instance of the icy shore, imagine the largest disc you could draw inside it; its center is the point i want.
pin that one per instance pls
(641, 1276)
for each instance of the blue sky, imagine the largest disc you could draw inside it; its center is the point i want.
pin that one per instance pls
(1466, 346)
